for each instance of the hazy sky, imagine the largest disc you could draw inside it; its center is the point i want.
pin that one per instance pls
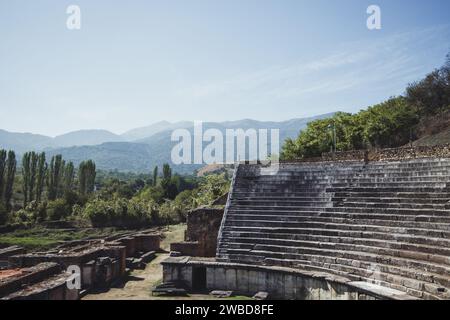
(137, 62)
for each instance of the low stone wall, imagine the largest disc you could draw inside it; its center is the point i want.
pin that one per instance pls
(52, 288)
(280, 283)
(392, 154)
(186, 248)
(5, 253)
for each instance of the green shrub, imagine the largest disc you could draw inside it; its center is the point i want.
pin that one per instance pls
(58, 209)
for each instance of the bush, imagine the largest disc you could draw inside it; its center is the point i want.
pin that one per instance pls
(98, 212)
(121, 213)
(58, 209)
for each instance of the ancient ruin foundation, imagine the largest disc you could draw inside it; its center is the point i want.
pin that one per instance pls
(43, 275)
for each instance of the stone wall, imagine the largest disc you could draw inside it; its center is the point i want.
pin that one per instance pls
(203, 227)
(100, 262)
(392, 154)
(45, 281)
(280, 283)
(5, 253)
(186, 248)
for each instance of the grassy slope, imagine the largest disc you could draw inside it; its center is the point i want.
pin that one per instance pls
(442, 137)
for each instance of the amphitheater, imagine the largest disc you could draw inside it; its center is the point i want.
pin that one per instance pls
(339, 229)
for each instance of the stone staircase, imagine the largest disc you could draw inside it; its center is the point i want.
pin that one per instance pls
(386, 223)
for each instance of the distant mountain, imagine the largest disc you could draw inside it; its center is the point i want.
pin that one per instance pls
(122, 156)
(288, 129)
(145, 132)
(86, 138)
(113, 152)
(22, 142)
(143, 154)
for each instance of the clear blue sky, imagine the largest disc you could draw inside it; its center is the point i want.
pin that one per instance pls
(137, 62)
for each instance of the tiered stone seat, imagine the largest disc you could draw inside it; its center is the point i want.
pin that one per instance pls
(386, 223)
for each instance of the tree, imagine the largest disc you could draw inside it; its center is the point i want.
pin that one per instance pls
(387, 124)
(54, 177)
(25, 177)
(10, 175)
(2, 172)
(167, 171)
(432, 94)
(86, 177)
(29, 166)
(69, 176)
(33, 167)
(40, 176)
(155, 175)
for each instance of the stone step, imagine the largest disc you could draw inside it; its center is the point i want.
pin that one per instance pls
(417, 231)
(346, 202)
(325, 169)
(392, 200)
(347, 166)
(389, 189)
(431, 248)
(280, 203)
(323, 188)
(392, 205)
(341, 179)
(356, 276)
(381, 194)
(313, 216)
(298, 221)
(341, 193)
(322, 232)
(355, 197)
(381, 222)
(368, 268)
(338, 209)
(436, 262)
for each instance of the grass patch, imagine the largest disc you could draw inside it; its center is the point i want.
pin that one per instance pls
(40, 238)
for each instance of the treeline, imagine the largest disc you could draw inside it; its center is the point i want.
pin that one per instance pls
(393, 123)
(115, 206)
(156, 199)
(41, 185)
(58, 177)
(56, 190)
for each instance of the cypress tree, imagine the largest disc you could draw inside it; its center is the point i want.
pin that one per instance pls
(155, 175)
(25, 177)
(2, 172)
(10, 175)
(90, 181)
(86, 177)
(69, 174)
(40, 176)
(33, 173)
(54, 177)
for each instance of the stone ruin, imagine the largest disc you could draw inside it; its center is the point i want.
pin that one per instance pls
(333, 230)
(201, 234)
(44, 275)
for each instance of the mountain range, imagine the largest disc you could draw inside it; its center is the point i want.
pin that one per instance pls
(137, 150)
